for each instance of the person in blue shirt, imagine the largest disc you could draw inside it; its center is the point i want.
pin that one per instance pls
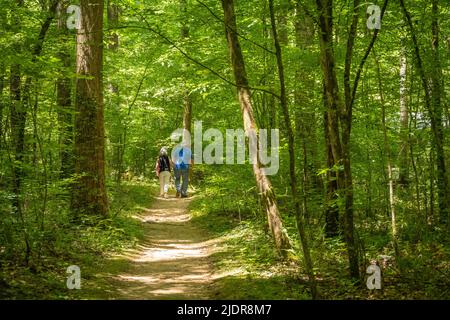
(182, 159)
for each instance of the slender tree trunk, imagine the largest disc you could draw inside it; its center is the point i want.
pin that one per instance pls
(64, 99)
(113, 46)
(305, 118)
(436, 100)
(332, 103)
(433, 103)
(187, 103)
(404, 121)
(299, 215)
(89, 194)
(339, 117)
(331, 198)
(17, 119)
(2, 100)
(346, 123)
(20, 99)
(387, 150)
(264, 185)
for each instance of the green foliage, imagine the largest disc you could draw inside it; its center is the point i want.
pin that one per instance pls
(62, 243)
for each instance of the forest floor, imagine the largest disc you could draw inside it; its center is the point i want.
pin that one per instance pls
(208, 246)
(184, 255)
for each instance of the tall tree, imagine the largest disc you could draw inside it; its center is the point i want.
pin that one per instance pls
(299, 215)
(388, 153)
(250, 127)
(2, 103)
(404, 120)
(432, 86)
(89, 194)
(339, 111)
(337, 118)
(120, 137)
(17, 120)
(305, 117)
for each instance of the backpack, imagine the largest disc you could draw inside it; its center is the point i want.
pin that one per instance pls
(164, 164)
(182, 161)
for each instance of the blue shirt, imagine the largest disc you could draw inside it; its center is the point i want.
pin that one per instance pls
(182, 157)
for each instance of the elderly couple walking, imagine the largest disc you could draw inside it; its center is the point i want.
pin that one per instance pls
(181, 161)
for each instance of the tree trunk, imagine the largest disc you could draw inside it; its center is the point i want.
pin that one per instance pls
(262, 181)
(17, 118)
(187, 103)
(339, 118)
(331, 121)
(305, 118)
(299, 215)
(2, 102)
(387, 150)
(437, 108)
(89, 196)
(64, 99)
(404, 121)
(118, 140)
(433, 103)
(331, 204)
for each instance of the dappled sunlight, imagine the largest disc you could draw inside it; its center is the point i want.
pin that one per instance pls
(236, 272)
(158, 254)
(172, 262)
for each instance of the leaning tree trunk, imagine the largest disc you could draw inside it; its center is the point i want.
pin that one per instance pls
(89, 194)
(262, 181)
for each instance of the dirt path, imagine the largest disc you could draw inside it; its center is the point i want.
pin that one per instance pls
(172, 262)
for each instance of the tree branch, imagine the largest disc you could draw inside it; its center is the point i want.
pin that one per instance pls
(234, 31)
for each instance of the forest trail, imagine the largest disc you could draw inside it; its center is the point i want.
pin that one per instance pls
(172, 262)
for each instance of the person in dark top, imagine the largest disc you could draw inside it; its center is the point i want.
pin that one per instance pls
(163, 169)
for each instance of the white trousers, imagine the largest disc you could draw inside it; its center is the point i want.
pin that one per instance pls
(164, 178)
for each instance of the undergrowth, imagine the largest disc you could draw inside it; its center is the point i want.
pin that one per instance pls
(62, 243)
